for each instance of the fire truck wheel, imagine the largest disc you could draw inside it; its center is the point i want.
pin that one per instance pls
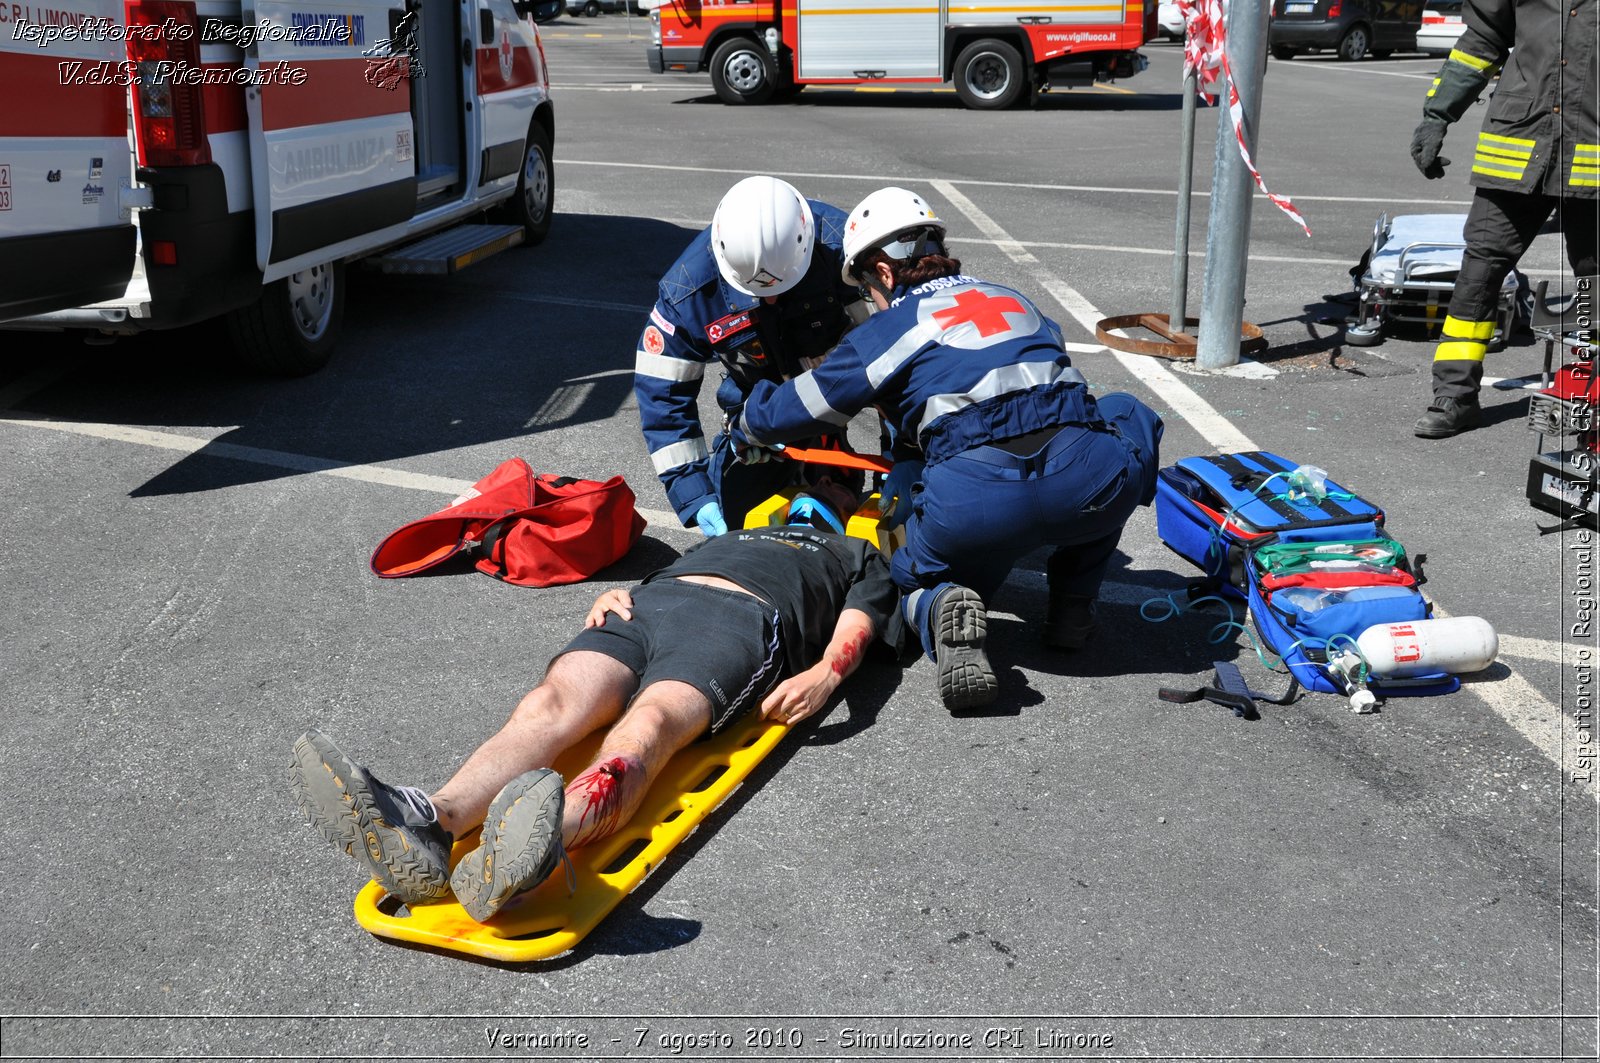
(534, 204)
(989, 75)
(291, 329)
(742, 71)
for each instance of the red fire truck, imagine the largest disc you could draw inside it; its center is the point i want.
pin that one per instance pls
(997, 53)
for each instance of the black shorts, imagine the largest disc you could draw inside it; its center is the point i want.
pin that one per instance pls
(723, 643)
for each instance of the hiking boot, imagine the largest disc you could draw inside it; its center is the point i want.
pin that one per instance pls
(1448, 416)
(1070, 622)
(520, 846)
(960, 624)
(392, 830)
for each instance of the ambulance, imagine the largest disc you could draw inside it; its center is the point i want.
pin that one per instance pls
(164, 162)
(997, 53)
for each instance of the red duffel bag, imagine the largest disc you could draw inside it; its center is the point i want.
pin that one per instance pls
(522, 527)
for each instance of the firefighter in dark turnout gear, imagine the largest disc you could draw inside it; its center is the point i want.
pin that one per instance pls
(1539, 152)
(758, 291)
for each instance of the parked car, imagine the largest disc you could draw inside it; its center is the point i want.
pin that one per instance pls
(1441, 26)
(539, 10)
(1352, 28)
(1169, 23)
(591, 8)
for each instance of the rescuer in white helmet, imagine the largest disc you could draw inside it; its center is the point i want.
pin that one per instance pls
(999, 446)
(759, 291)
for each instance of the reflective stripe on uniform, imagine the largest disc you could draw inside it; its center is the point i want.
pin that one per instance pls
(1457, 329)
(1458, 56)
(1514, 145)
(1463, 340)
(1585, 166)
(810, 396)
(884, 366)
(1462, 351)
(661, 367)
(1002, 381)
(1498, 156)
(686, 452)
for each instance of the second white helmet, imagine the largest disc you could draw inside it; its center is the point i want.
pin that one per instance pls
(762, 236)
(891, 219)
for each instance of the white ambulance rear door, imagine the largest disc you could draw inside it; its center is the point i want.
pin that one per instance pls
(332, 155)
(65, 240)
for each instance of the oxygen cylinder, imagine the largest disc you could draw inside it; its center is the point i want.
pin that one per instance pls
(1454, 644)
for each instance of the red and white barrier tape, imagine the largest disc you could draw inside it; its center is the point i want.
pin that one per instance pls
(1205, 55)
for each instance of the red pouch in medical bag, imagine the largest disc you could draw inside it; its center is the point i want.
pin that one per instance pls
(521, 527)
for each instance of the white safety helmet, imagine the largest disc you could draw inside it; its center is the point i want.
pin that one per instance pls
(762, 235)
(893, 220)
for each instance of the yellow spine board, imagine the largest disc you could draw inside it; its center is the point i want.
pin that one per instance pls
(548, 921)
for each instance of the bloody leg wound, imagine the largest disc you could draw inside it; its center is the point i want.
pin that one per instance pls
(598, 793)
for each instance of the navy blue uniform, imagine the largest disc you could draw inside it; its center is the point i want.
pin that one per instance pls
(699, 319)
(1019, 454)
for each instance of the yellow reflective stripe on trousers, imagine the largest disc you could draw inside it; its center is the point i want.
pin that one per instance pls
(1463, 340)
(1457, 329)
(1460, 351)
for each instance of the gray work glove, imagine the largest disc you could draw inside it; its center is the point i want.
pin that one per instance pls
(1425, 145)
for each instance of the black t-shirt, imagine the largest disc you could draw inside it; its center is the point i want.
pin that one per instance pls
(808, 576)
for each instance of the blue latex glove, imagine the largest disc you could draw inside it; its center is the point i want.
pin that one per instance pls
(895, 497)
(709, 517)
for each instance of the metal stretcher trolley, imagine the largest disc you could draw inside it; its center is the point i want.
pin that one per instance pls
(1565, 468)
(1408, 275)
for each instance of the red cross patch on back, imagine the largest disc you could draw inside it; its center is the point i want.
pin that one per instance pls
(986, 313)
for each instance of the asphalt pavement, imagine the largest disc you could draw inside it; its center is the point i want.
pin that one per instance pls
(1082, 872)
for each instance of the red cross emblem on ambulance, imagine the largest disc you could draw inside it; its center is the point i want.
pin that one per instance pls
(506, 55)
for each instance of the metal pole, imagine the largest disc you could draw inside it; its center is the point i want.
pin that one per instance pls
(1180, 242)
(1228, 234)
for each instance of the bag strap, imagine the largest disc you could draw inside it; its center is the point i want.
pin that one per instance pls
(1229, 689)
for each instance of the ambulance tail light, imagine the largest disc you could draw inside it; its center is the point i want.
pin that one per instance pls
(164, 48)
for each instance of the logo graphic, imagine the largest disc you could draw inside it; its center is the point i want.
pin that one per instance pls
(394, 59)
(507, 54)
(724, 327)
(653, 343)
(53, 176)
(986, 313)
(763, 279)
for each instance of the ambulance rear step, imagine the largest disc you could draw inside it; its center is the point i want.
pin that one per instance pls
(451, 250)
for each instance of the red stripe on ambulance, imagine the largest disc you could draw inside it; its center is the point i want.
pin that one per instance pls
(334, 90)
(33, 102)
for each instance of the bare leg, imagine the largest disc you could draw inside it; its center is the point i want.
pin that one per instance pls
(582, 692)
(665, 717)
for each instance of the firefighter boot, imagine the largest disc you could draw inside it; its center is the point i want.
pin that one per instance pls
(1457, 371)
